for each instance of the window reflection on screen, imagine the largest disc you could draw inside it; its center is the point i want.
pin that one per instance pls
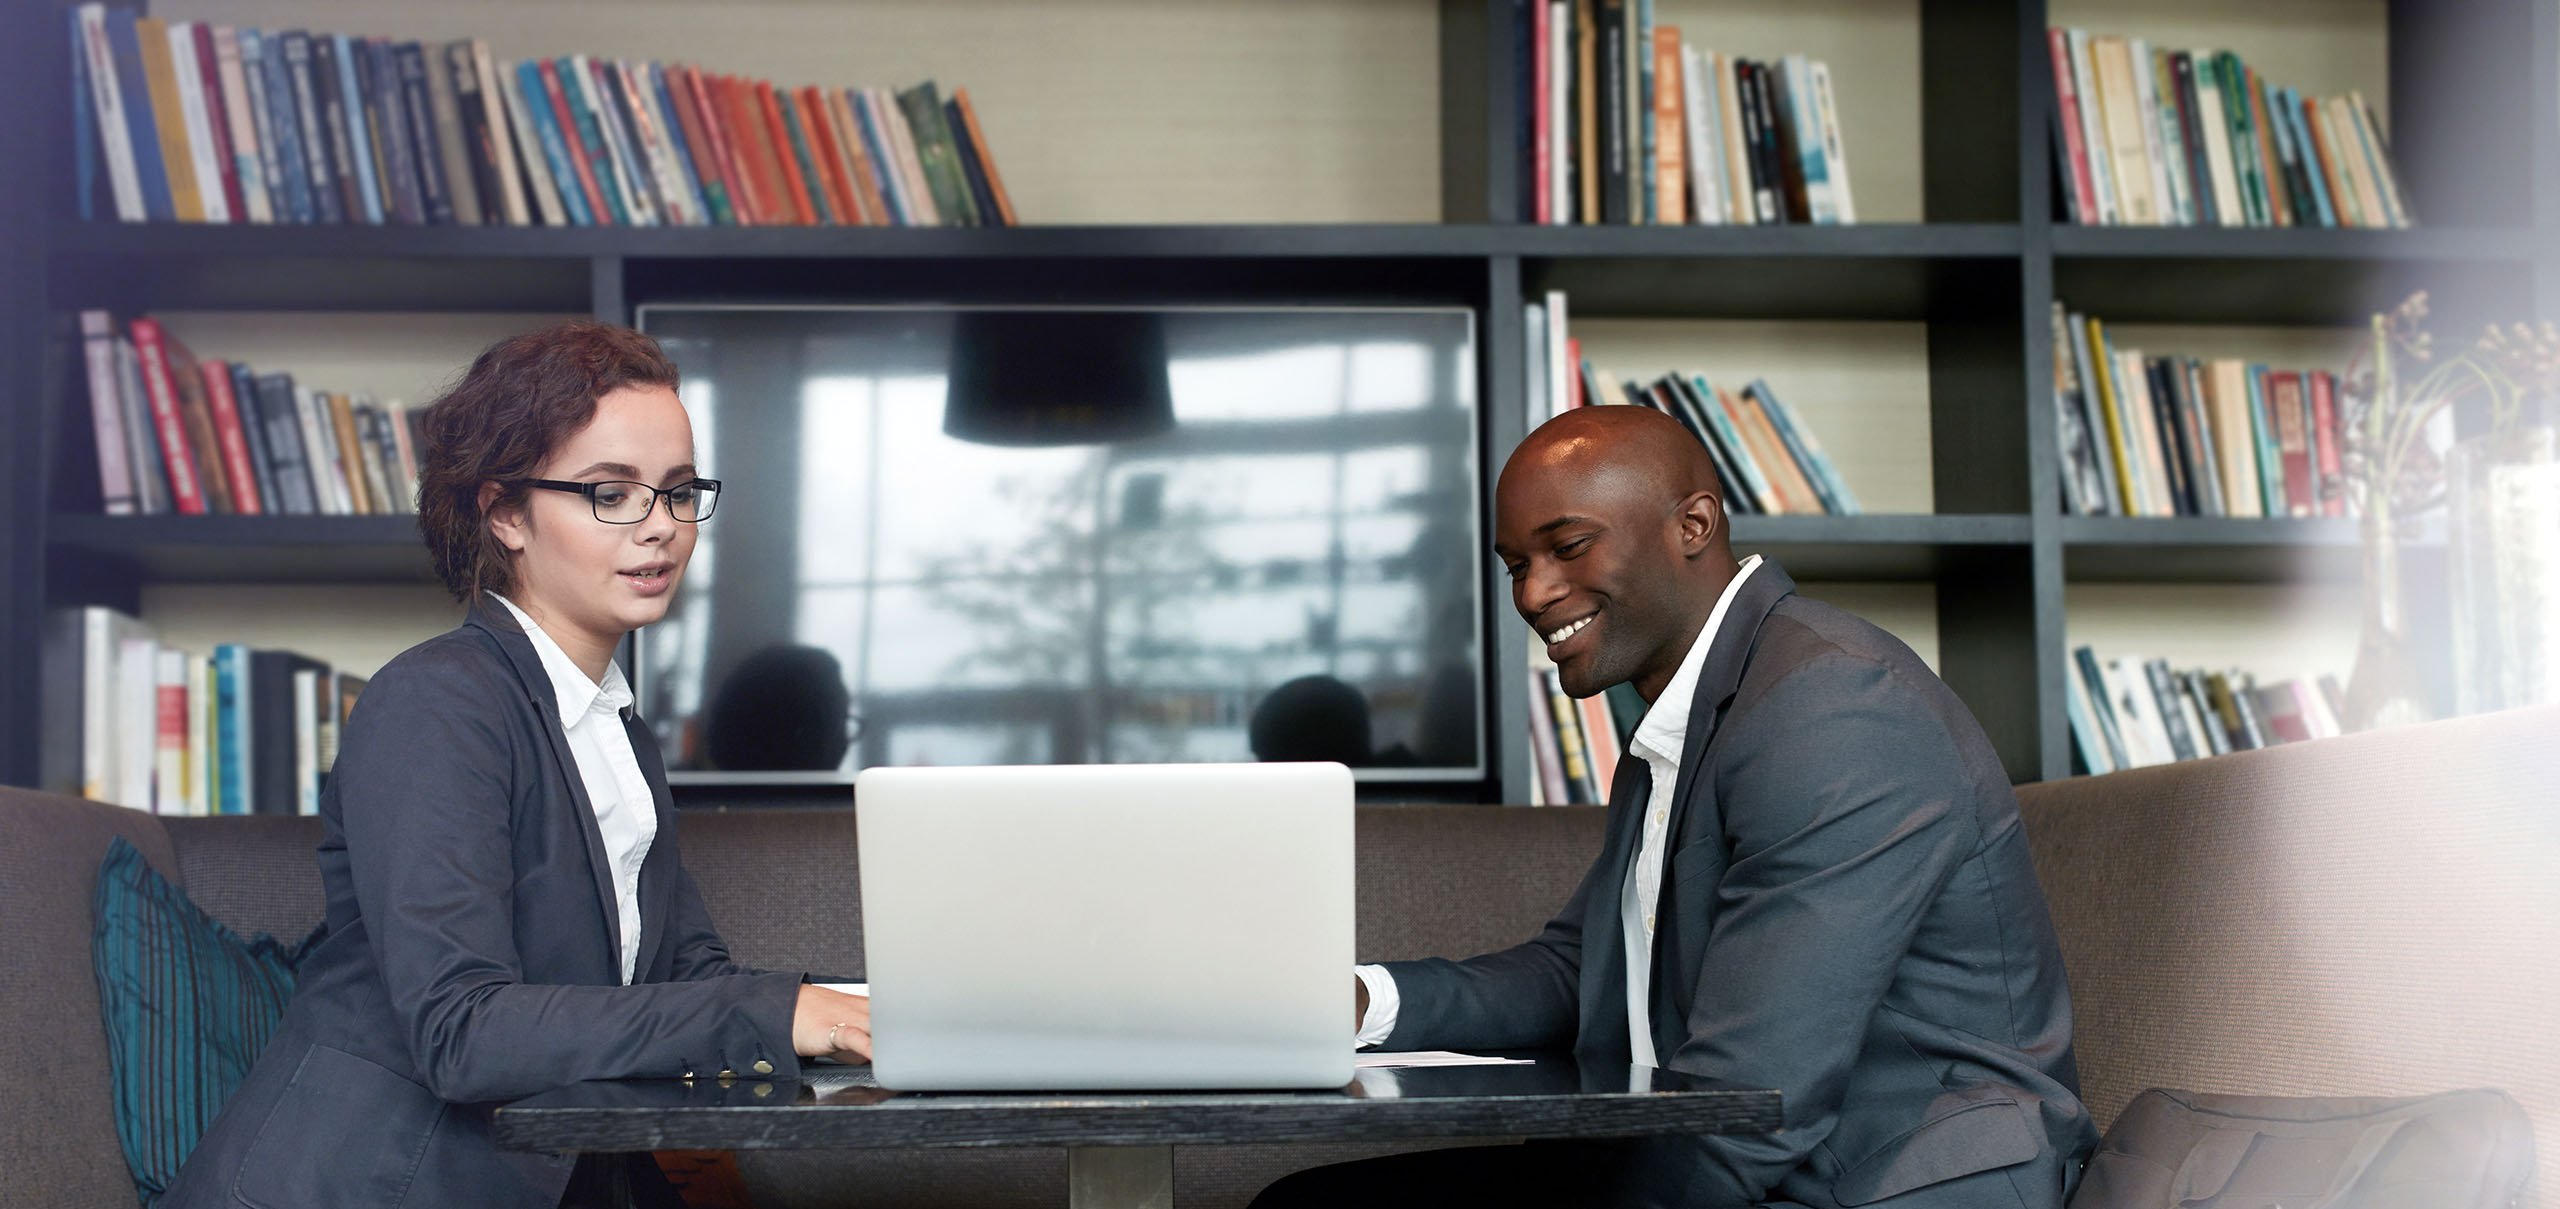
(1290, 570)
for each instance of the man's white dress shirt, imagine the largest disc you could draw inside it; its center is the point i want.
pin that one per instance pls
(626, 810)
(1658, 742)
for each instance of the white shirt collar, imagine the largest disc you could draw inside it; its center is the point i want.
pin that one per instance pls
(577, 695)
(1665, 728)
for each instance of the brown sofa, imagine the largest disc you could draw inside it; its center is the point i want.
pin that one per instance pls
(2372, 914)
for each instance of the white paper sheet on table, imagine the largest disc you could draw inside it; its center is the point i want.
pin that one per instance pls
(1430, 1057)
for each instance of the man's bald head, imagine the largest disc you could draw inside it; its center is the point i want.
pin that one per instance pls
(1611, 521)
(1636, 448)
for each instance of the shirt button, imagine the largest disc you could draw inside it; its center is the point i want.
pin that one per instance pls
(763, 1067)
(1648, 925)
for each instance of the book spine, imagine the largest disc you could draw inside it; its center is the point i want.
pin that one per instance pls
(808, 166)
(107, 90)
(704, 145)
(946, 145)
(169, 118)
(420, 145)
(327, 485)
(867, 182)
(244, 394)
(2146, 108)
(2102, 707)
(327, 197)
(2293, 444)
(106, 413)
(1814, 163)
(208, 128)
(85, 150)
(359, 107)
(2314, 179)
(2191, 138)
(151, 493)
(759, 176)
(350, 453)
(2167, 108)
(138, 96)
(876, 142)
(545, 160)
(284, 445)
(1670, 150)
(902, 137)
(2376, 153)
(1787, 122)
(674, 141)
(500, 118)
(455, 148)
(186, 492)
(2270, 168)
(577, 168)
(2165, 697)
(2332, 499)
(279, 128)
(231, 438)
(596, 146)
(1611, 21)
(1809, 448)
(1702, 127)
(622, 154)
(240, 126)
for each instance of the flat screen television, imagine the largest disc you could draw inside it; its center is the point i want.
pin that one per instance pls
(955, 535)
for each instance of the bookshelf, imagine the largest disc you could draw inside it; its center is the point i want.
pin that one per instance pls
(1995, 556)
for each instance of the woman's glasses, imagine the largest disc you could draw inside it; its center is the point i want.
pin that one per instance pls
(621, 502)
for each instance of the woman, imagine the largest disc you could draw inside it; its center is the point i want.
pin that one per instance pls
(507, 912)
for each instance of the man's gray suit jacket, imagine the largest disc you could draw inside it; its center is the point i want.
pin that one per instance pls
(1847, 915)
(473, 954)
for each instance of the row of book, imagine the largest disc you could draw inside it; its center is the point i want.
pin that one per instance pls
(2145, 136)
(1765, 454)
(176, 435)
(2178, 436)
(2133, 713)
(131, 720)
(1625, 122)
(189, 121)
(1574, 746)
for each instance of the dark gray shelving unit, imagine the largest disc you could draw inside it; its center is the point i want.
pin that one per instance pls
(2472, 89)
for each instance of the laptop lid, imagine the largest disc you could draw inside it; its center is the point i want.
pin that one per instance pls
(1108, 926)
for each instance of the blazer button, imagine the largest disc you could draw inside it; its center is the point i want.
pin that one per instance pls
(763, 1067)
(726, 1073)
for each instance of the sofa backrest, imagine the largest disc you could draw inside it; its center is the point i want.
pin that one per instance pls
(58, 1133)
(2371, 915)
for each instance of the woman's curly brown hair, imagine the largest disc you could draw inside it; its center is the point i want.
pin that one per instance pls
(517, 403)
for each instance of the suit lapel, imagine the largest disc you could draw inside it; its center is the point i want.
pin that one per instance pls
(1721, 675)
(1604, 938)
(537, 686)
(653, 886)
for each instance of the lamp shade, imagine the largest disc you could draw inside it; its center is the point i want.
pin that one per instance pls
(1057, 378)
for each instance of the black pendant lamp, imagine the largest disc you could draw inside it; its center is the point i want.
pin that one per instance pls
(1058, 378)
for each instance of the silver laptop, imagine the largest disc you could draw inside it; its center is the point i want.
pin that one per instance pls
(1108, 926)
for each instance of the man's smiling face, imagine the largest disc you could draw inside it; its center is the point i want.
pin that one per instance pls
(1595, 546)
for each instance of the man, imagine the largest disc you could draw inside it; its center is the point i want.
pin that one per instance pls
(1814, 880)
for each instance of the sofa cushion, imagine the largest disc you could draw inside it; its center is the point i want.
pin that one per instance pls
(2365, 916)
(188, 1005)
(58, 1134)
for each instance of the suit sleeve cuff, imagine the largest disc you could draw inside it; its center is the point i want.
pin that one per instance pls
(1380, 1020)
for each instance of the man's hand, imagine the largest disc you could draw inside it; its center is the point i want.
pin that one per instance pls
(831, 1024)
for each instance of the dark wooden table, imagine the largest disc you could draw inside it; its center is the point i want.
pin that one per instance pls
(1120, 1145)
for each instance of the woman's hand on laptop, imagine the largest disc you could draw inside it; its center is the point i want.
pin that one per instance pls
(831, 1024)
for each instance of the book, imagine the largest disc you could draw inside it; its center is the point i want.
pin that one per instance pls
(177, 450)
(230, 436)
(217, 182)
(453, 189)
(238, 123)
(359, 112)
(106, 414)
(504, 134)
(311, 129)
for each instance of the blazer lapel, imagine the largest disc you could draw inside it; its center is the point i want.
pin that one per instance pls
(654, 891)
(501, 625)
(1722, 673)
(1604, 942)
(1718, 679)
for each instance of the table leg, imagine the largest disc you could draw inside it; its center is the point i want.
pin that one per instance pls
(1120, 1177)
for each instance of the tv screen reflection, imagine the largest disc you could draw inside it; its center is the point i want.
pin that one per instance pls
(1003, 537)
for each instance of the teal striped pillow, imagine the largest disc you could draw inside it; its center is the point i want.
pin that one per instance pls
(188, 1006)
